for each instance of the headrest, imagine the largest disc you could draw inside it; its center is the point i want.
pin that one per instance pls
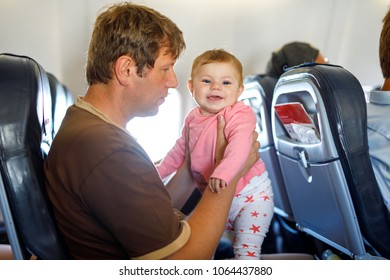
(60, 103)
(25, 95)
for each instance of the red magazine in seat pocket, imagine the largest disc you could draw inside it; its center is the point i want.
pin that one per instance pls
(297, 122)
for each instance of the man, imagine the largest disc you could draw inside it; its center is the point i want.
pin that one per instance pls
(378, 110)
(107, 195)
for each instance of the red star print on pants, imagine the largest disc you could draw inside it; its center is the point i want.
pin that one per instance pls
(250, 254)
(255, 228)
(266, 197)
(255, 214)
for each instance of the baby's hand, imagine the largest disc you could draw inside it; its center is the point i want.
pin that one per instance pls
(216, 185)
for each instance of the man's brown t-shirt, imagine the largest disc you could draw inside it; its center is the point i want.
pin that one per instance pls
(108, 199)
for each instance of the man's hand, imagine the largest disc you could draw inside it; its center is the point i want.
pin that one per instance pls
(221, 140)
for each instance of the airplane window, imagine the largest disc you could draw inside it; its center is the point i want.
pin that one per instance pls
(158, 134)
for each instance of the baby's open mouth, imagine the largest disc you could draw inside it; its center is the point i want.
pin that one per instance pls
(214, 97)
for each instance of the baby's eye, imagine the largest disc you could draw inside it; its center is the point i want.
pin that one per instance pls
(206, 81)
(227, 83)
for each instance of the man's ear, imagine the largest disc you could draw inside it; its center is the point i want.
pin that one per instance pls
(123, 69)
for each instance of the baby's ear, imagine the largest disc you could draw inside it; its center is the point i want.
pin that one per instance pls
(190, 86)
(240, 90)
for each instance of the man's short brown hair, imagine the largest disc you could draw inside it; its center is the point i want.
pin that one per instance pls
(134, 30)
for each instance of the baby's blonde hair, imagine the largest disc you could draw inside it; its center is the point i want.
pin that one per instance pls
(217, 55)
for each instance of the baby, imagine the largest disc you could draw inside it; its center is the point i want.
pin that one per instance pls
(216, 83)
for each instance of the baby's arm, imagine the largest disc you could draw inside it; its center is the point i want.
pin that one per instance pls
(174, 158)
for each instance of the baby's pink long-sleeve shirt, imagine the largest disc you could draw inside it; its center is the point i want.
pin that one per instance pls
(240, 124)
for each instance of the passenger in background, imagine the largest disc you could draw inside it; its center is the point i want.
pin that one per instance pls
(216, 82)
(289, 55)
(378, 121)
(292, 54)
(108, 198)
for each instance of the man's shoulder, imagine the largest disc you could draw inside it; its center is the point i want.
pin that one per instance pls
(88, 131)
(379, 97)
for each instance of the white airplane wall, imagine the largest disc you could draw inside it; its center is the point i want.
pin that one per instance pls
(56, 32)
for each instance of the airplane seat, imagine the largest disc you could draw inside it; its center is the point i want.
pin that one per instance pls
(258, 92)
(283, 237)
(3, 233)
(60, 102)
(329, 178)
(25, 133)
(69, 96)
(268, 85)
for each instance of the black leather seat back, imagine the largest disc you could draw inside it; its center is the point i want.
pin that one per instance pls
(25, 138)
(61, 99)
